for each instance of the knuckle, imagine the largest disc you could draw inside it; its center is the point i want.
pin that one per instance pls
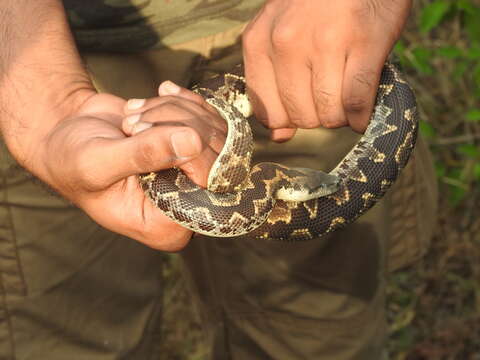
(324, 101)
(248, 38)
(145, 155)
(356, 104)
(171, 102)
(289, 99)
(332, 119)
(305, 122)
(367, 10)
(333, 122)
(284, 36)
(170, 110)
(274, 120)
(361, 91)
(365, 78)
(310, 123)
(329, 109)
(251, 42)
(297, 113)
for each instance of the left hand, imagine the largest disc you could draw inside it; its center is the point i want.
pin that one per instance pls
(312, 63)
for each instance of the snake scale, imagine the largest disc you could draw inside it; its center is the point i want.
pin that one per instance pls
(271, 201)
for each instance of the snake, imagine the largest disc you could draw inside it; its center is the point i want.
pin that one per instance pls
(272, 201)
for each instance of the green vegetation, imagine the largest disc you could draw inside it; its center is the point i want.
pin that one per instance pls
(441, 52)
(434, 307)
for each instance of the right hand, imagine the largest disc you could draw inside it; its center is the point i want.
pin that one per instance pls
(314, 63)
(91, 162)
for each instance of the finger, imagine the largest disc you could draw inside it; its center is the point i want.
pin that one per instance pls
(294, 81)
(198, 169)
(151, 150)
(327, 79)
(170, 88)
(160, 148)
(264, 96)
(137, 106)
(260, 76)
(163, 234)
(132, 214)
(211, 128)
(282, 135)
(360, 84)
(176, 110)
(167, 88)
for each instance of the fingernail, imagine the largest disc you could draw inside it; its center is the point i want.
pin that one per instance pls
(141, 126)
(133, 119)
(169, 88)
(135, 104)
(182, 144)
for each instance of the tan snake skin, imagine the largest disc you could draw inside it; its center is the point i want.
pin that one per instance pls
(271, 201)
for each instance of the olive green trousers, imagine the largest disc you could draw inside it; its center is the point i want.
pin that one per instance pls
(73, 290)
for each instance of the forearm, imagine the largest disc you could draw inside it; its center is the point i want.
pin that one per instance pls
(42, 78)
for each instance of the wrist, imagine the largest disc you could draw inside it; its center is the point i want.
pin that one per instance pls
(27, 128)
(42, 78)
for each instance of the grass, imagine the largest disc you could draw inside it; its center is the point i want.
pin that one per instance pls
(434, 306)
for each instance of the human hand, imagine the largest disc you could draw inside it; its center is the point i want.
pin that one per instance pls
(91, 161)
(55, 125)
(312, 63)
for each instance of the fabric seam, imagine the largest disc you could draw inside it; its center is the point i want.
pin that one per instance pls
(19, 269)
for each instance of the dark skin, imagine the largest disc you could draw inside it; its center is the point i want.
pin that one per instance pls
(78, 141)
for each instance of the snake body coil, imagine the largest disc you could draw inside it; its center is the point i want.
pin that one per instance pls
(271, 201)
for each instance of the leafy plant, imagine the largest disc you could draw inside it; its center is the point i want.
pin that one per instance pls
(456, 63)
(440, 53)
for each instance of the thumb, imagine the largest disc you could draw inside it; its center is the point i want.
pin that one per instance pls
(157, 148)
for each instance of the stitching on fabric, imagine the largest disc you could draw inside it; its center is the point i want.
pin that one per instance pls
(20, 274)
(8, 317)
